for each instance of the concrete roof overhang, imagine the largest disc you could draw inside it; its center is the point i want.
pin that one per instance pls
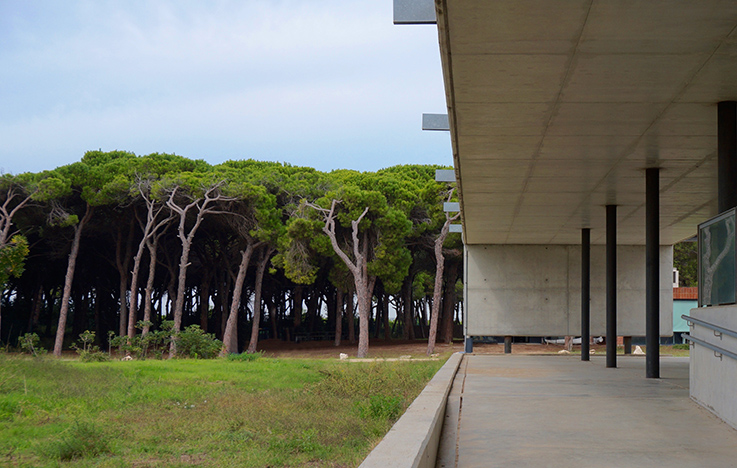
(557, 107)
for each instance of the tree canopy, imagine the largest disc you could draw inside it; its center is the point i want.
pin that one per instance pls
(121, 242)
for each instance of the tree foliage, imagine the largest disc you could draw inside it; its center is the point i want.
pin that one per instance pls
(12, 259)
(239, 249)
(685, 260)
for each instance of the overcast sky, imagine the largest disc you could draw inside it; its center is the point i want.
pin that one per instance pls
(322, 83)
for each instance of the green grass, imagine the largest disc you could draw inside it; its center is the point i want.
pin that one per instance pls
(264, 412)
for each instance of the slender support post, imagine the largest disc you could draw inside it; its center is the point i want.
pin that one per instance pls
(652, 273)
(611, 286)
(585, 293)
(507, 345)
(468, 345)
(727, 155)
(627, 342)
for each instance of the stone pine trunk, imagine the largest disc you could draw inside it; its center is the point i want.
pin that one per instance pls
(230, 336)
(256, 323)
(68, 278)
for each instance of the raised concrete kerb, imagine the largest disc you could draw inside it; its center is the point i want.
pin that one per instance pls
(413, 440)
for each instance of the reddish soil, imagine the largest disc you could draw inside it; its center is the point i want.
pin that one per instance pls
(396, 348)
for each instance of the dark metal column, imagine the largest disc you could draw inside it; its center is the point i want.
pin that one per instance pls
(611, 285)
(652, 273)
(507, 345)
(727, 155)
(585, 292)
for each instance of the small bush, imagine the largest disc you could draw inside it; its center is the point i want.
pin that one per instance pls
(89, 352)
(193, 342)
(152, 344)
(28, 343)
(245, 357)
(81, 441)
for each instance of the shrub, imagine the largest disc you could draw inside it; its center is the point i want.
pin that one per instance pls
(28, 343)
(193, 342)
(89, 352)
(152, 344)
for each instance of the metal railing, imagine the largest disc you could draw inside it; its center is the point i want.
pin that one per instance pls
(718, 331)
(710, 326)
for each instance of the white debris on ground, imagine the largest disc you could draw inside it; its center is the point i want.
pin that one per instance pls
(564, 351)
(343, 356)
(638, 350)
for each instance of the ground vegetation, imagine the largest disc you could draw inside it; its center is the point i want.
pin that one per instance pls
(245, 412)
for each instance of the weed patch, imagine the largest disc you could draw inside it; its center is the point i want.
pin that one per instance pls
(82, 440)
(244, 357)
(380, 407)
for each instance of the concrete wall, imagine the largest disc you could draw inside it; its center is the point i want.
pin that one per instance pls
(535, 290)
(413, 440)
(713, 380)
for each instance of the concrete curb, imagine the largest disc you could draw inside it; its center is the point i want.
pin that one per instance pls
(413, 440)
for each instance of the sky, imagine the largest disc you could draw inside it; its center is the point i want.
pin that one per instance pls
(330, 84)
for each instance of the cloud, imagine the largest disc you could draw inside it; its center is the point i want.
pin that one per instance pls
(292, 78)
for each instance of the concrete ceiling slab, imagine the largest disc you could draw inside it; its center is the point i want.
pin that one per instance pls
(508, 27)
(511, 78)
(556, 109)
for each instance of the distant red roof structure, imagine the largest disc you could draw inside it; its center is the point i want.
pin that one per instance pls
(686, 293)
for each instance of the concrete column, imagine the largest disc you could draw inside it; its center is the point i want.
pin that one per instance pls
(652, 273)
(585, 293)
(627, 344)
(611, 285)
(727, 155)
(507, 345)
(468, 348)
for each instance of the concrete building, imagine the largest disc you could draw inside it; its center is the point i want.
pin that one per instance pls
(588, 137)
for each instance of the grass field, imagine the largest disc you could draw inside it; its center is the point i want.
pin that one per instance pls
(265, 412)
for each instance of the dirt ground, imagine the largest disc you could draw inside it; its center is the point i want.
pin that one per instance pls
(396, 348)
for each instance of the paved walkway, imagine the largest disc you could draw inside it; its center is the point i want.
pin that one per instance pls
(550, 411)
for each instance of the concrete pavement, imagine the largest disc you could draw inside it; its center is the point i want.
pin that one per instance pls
(551, 411)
